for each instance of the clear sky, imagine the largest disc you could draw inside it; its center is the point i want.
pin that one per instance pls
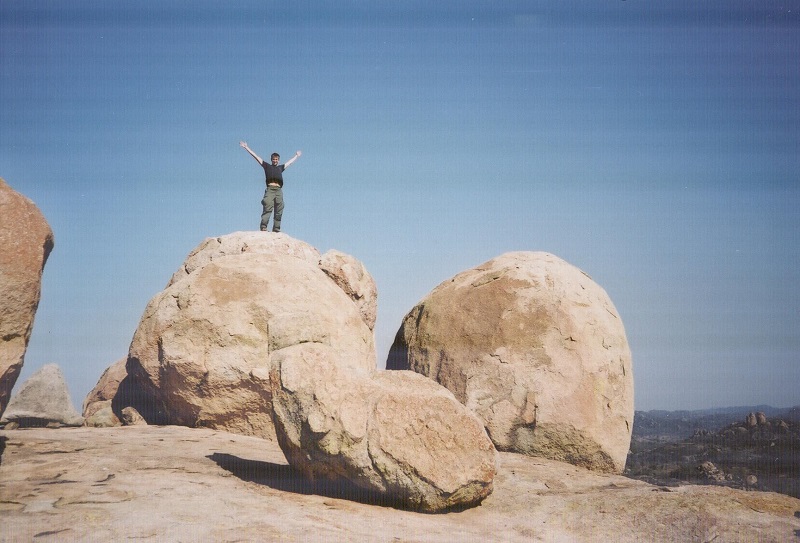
(654, 145)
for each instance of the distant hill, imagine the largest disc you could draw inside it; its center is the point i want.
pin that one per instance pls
(675, 425)
(728, 446)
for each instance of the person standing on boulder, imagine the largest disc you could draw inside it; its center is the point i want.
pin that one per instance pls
(273, 195)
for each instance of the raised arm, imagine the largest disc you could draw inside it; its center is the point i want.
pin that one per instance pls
(295, 157)
(243, 144)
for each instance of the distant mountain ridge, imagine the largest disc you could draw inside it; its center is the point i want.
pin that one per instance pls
(750, 447)
(682, 424)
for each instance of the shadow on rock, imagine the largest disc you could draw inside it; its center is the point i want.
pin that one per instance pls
(282, 477)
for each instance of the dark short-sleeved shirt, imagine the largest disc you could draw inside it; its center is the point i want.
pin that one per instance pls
(273, 174)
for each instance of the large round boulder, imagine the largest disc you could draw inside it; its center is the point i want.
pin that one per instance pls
(26, 241)
(203, 345)
(536, 349)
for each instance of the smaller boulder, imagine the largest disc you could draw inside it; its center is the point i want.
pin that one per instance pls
(395, 435)
(101, 415)
(102, 395)
(131, 417)
(43, 400)
(711, 473)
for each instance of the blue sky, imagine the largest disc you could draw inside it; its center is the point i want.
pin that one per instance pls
(655, 145)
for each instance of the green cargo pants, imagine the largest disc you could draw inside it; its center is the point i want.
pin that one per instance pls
(273, 199)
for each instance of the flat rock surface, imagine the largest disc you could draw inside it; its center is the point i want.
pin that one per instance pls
(172, 483)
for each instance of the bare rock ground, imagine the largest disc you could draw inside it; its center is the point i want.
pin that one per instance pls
(171, 483)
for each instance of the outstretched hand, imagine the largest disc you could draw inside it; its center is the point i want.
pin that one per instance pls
(298, 153)
(243, 144)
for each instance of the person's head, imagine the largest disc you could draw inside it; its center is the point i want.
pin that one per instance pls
(275, 158)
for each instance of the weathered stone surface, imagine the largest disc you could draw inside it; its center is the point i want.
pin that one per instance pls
(43, 399)
(394, 434)
(239, 243)
(26, 241)
(346, 271)
(353, 278)
(202, 343)
(170, 483)
(536, 349)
